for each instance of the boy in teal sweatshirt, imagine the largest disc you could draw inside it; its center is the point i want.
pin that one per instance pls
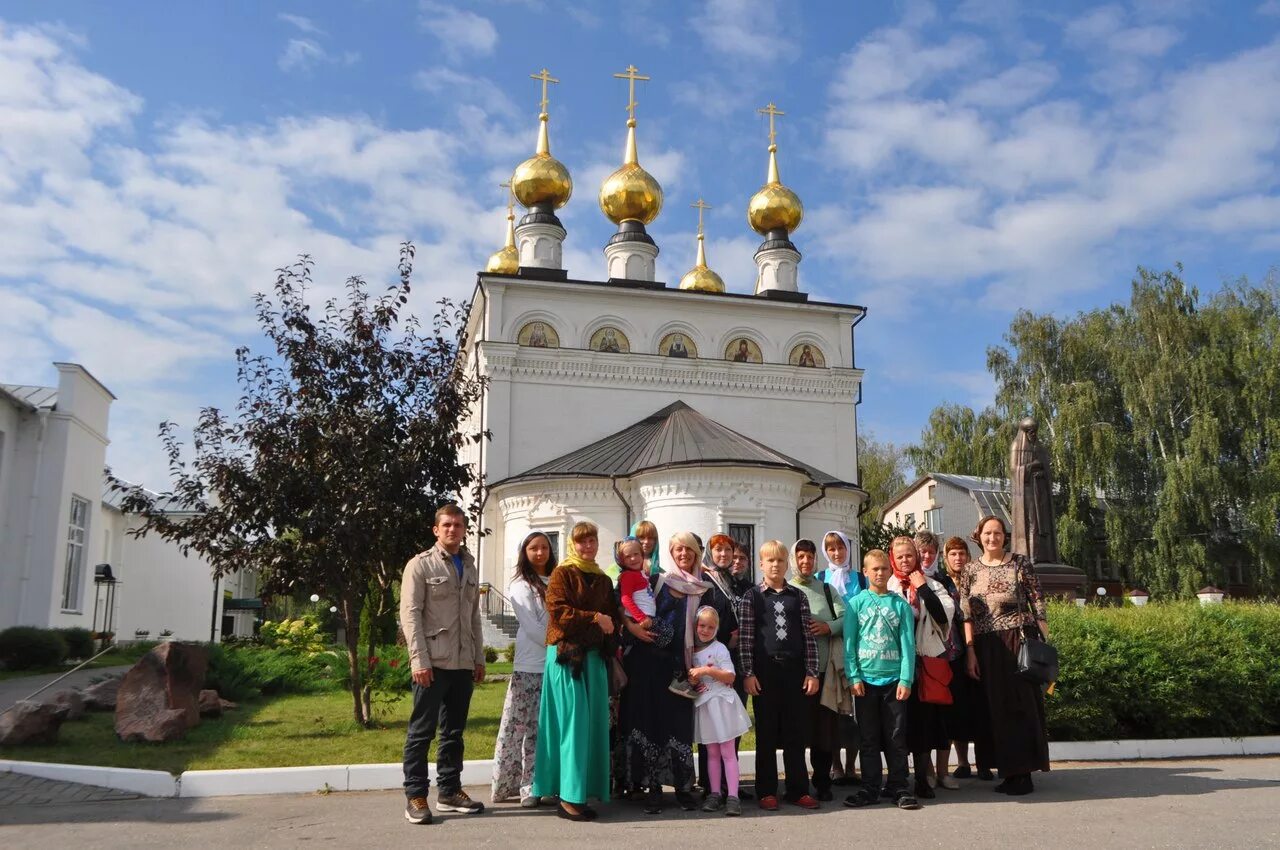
(880, 659)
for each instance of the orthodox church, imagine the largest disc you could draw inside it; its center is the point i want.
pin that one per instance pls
(619, 398)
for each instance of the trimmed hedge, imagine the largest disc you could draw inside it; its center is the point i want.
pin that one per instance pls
(29, 648)
(79, 642)
(1176, 670)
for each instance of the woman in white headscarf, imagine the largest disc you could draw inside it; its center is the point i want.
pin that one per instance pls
(848, 581)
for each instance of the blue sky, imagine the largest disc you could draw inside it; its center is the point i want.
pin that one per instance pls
(958, 161)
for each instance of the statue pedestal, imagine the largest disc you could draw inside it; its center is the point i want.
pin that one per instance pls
(1061, 580)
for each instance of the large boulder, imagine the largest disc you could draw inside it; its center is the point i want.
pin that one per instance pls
(69, 703)
(159, 699)
(29, 722)
(101, 696)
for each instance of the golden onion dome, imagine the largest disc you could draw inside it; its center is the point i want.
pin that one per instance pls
(700, 278)
(507, 259)
(542, 180)
(631, 193)
(774, 207)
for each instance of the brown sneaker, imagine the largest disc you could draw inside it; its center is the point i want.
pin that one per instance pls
(458, 801)
(417, 810)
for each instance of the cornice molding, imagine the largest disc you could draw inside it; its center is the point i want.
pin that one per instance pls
(578, 367)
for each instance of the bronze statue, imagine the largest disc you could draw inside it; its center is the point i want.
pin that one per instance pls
(1031, 494)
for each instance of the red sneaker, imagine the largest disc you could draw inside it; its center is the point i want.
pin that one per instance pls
(807, 802)
(769, 804)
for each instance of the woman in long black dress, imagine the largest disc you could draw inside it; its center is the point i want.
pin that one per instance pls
(1001, 600)
(655, 724)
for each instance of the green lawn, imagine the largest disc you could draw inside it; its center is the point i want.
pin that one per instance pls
(284, 731)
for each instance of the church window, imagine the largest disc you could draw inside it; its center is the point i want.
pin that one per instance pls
(554, 537)
(73, 573)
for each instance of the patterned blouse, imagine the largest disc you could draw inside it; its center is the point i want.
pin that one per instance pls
(998, 598)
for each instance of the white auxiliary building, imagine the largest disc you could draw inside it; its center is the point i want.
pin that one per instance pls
(66, 557)
(619, 399)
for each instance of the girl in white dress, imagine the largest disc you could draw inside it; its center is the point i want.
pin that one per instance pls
(719, 717)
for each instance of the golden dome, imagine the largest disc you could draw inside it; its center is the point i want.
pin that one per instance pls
(507, 259)
(702, 279)
(542, 180)
(631, 193)
(774, 207)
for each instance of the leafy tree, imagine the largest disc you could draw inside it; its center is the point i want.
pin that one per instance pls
(882, 472)
(344, 441)
(1163, 419)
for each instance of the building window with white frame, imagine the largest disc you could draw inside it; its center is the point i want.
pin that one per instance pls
(933, 520)
(73, 576)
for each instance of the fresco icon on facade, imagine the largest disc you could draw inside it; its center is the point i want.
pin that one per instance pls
(677, 344)
(538, 335)
(743, 350)
(610, 340)
(807, 354)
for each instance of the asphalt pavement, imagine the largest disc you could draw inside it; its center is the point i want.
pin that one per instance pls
(1086, 806)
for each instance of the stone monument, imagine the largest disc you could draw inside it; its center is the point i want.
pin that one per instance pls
(1032, 516)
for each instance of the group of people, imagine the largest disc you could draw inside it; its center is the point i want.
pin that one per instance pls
(620, 670)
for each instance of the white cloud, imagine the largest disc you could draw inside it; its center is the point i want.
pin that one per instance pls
(140, 262)
(460, 32)
(744, 29)
(454, 87)
(302, 55)
(302, 24)
(1270, 8)
(959, 184)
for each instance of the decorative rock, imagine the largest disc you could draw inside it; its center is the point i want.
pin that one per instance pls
(210, 704)
(159, 699)
(101, 696)
(29, 722)
(227, 705)
(70, 704)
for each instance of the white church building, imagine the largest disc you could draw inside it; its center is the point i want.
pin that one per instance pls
(66, 557)
(619, 398)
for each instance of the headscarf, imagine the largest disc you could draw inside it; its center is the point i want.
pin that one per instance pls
(903, 577)
(841, 575)
(585, 564)
(795, 564)
(655, 564)
(718, 576)
(690, 584)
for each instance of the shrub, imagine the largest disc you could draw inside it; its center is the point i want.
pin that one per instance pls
(243, 672)
(79, 642)
(1178, 670)
(490, 655)
(300, 635)
(27, 648)
(509, 652)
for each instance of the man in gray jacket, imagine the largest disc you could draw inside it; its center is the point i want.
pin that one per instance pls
(440, 615)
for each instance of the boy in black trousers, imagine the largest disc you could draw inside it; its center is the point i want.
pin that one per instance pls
(779, 669)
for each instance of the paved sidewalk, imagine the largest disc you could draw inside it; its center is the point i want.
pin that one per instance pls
(1201, 803)
(19, 790)
(12, 690)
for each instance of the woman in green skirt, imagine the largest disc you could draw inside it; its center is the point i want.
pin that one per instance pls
(572, 761)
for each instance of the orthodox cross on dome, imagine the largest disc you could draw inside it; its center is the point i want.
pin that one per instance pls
(772, 111)
(700, 206)
(511, 198)
(545, 77)
(631, 75)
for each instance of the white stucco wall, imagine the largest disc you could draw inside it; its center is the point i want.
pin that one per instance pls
(959, 513)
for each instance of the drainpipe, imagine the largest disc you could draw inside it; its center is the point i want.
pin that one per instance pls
(613, 482)
(821, 495)
(484, 490)
(43, 414)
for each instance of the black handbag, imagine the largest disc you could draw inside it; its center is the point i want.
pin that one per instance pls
(1037, 659)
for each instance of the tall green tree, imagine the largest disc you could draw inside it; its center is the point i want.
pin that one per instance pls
(344, 441)
(882, 470)
(1162, 416)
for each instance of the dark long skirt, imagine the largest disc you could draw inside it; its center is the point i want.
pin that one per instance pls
(655, 727)
(926, 724)
(1015, 706)
(966, 718)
